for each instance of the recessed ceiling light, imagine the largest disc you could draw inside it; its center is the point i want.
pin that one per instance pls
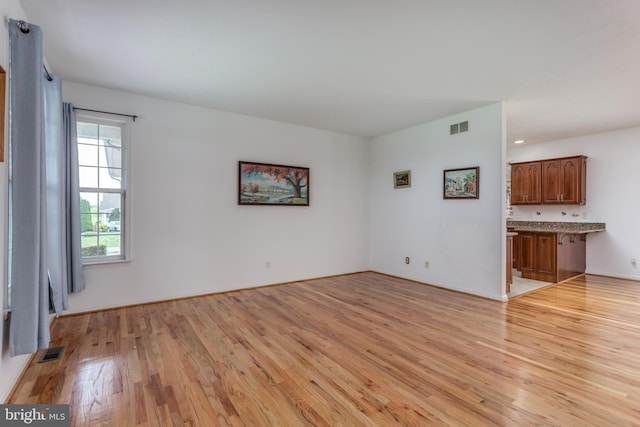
(520, 141)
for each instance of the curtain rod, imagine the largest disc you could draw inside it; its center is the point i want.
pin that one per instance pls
(107, 112)
(46, 73)
(24, 28)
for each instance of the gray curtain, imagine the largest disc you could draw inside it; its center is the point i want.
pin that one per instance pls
(75, 273)
(56, 224)
(63, 197)
(29, 329)
(46, 256)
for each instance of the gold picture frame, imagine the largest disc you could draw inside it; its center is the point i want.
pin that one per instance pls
(402, 179)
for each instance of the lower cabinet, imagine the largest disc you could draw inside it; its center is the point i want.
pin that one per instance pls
(509, 262)
(550, 257)
(526, 252)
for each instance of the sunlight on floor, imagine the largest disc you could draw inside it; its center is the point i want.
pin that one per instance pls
(522, 286)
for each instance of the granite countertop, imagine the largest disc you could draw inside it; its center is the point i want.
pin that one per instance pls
(557, 227)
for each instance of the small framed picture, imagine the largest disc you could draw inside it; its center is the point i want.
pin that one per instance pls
(461, 183)
(402, 179)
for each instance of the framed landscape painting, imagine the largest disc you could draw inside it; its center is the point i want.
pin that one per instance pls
(269, 184)
(461, 183)
(402, 179)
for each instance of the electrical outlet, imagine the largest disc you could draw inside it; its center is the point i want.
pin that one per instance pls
(268, 264)
(634, 262)
(426, 264)
(407, 260)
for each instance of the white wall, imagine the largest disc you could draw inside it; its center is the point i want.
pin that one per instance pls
(10, 368)
(463, 240)
(613, 196)
(189, 235)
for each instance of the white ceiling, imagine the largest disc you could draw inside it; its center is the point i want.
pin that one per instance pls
(363, 67)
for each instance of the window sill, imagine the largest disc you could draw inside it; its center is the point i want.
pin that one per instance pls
(104, 262)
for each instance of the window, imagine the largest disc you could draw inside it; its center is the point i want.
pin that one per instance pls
(102, 162)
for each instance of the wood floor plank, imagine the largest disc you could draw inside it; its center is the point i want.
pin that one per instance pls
(356, 350)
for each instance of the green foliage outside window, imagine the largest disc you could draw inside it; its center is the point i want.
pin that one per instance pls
(114, 215)
(85, 220)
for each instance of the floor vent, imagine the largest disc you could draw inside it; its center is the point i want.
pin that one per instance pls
(50, 354)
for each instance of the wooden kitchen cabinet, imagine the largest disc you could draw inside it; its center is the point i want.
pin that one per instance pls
(545, 260)
(525, 252)
(526, 183)
(550, 257)
(537, 256)
(551, 181)
(564, 181)
(513, 263)
(510, 236)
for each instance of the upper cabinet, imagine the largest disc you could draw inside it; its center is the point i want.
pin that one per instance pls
(564, 181)
(552, 181)
(526, 180)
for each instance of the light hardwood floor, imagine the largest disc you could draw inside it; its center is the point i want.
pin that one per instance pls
(356, 350)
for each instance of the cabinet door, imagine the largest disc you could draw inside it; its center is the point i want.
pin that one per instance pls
(572, 175)
(564, 181)
(551, 182)
(525, 183)
(509, 262)
(517, 185)
(516, 250)
(526, 252)
(546, 246)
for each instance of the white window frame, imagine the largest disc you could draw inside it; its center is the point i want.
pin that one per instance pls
(125, 228)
